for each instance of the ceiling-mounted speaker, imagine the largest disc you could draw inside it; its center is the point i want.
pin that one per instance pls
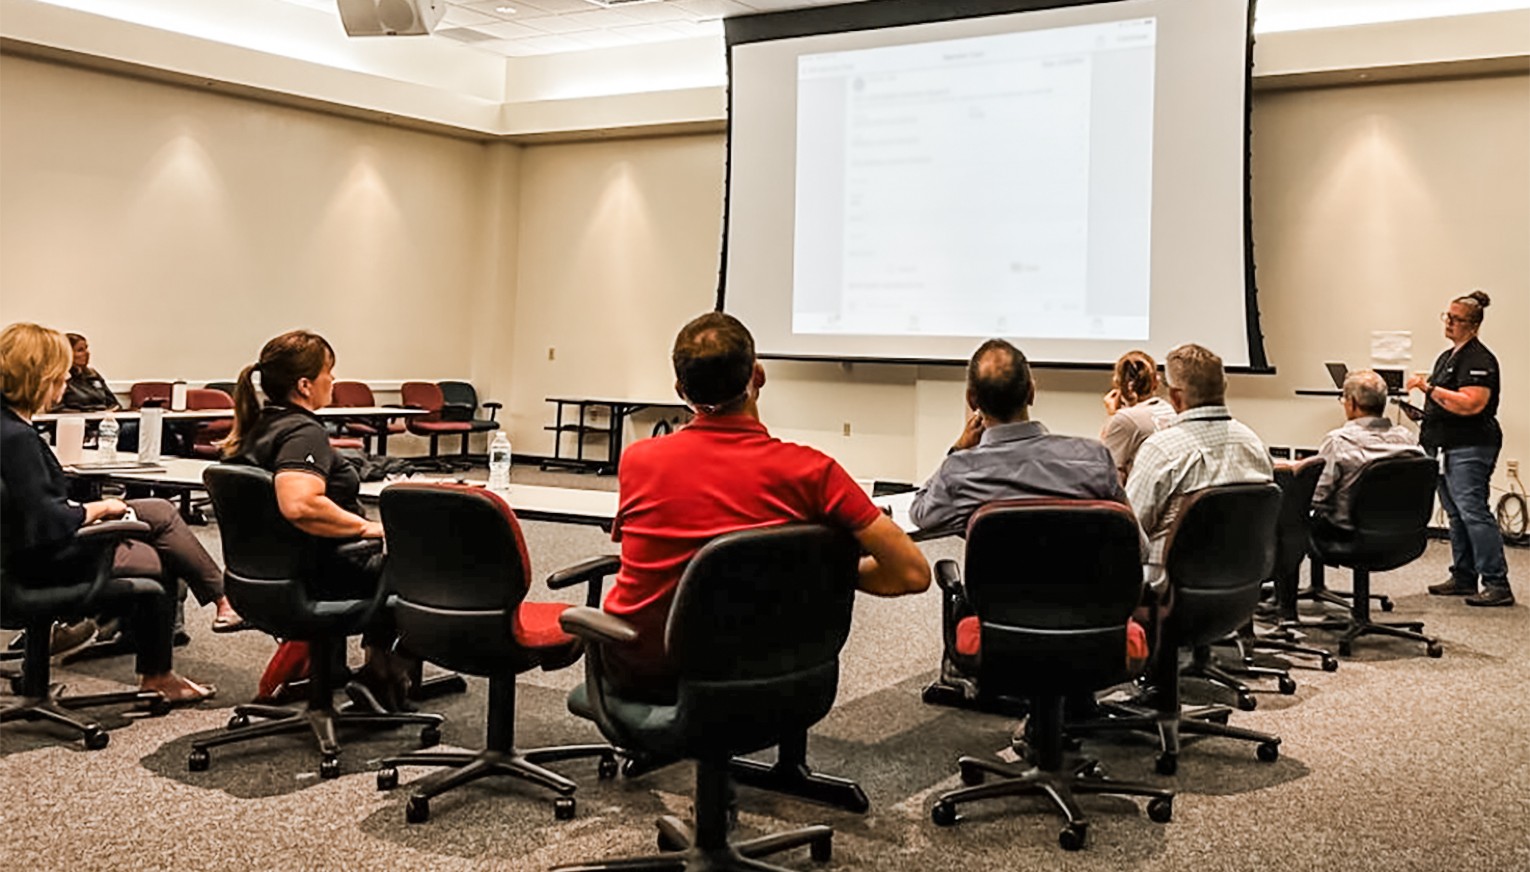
(390, 17)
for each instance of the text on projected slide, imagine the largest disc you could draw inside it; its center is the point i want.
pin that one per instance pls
(943, 188)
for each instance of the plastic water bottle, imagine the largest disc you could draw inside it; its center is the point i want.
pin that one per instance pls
(106, 438)
(499, 462)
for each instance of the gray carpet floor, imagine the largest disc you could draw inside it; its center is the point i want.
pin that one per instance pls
(1395, 761)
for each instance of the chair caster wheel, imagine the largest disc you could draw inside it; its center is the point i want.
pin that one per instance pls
(563, 808)
(971, 775)
(1247, 703)
(387, 778)
(158, 708)
(238, 722)
(1287, 685)
(823, 849)
(943, 814)
(329, 767)
(1161, 809)
(1269, 752)
(608, 767)
(1345, 649)
(1386, 604)
(96, 739)
(668, 847)
(198, 760)
(417, 810)
(1330, 664)
(1166, 764)
(430, 737)
(1072, 837)
(1434, 650)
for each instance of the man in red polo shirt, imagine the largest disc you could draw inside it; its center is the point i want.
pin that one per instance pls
(721, 473)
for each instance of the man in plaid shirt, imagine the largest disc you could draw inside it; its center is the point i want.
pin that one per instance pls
(1205, 447)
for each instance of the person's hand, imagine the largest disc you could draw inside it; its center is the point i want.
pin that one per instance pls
(1112, 401)
(972, 432)
(372, 530)
(1415, 382)
(105, 510)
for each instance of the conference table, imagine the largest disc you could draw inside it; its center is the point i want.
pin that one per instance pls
(530, 502)
(377, 416)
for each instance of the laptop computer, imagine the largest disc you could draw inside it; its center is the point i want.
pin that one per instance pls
(1391, 375)
(1337, 372)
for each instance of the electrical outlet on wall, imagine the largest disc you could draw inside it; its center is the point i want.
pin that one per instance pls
(1513, 466)
(847, 428)
(551, 353)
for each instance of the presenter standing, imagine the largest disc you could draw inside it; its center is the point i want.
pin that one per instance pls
(1461, 427)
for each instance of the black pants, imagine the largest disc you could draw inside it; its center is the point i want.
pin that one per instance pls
(354, 571)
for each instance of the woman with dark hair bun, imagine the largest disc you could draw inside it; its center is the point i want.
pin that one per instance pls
(1135, 409)
(1460, 427)
(316, 489)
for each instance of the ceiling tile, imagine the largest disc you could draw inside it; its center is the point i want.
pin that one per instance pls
(605, 38)
(713, 8)
(509, 30)
(649, 33)
(491, 8)
(461, 16)
(559, 7)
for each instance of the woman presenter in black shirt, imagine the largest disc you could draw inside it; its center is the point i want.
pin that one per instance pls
(316, 489)
(1461, 427)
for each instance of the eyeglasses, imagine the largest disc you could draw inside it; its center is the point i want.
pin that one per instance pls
(1452, 319)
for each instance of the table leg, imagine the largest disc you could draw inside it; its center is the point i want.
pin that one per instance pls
(614, 451)
(380, 424)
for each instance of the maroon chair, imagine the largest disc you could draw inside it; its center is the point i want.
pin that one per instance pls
(207, 435)
(427, 396)
(144, 392)
(355, 394)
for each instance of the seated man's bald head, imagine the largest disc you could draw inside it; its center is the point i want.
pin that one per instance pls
(999, 381)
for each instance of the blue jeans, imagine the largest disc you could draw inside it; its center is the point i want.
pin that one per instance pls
(1476, 544)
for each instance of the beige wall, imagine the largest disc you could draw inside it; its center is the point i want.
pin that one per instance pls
(179, 229)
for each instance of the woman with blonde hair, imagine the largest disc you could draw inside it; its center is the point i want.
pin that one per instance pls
(34, 369)
(1135, 409)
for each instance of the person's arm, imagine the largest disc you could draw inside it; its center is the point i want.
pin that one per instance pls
(1467, 401)
(893, 565)
(301, 499)
(1323, 495)
(1148, 487)
(935, 504)
(972, 432)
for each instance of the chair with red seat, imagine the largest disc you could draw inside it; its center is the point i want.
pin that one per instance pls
(207, 435)
(355, 395)
(143, 393)
(428, 396)
(1052, 584)
(459, 575)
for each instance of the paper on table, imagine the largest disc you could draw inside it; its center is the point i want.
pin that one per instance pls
(1391, 346)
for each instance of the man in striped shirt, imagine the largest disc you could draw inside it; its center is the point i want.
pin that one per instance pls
(1204, 447)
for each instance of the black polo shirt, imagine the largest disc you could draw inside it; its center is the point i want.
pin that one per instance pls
(1472, 365)
(293, 438)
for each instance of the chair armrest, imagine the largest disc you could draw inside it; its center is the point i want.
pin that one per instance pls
(592, 572)
(949, 576)
(112, 529)
(359, 548)
(594, 625)
(493, 408)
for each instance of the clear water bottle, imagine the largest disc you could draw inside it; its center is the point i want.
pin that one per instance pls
(106, 438)
(499, 462)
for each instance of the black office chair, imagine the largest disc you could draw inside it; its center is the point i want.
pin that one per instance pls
(1390, 504)
(754, 633)
(1219, 554)
(461, 404)
(268, 563)
(32, 604)
(1052, 584)
(458, 576)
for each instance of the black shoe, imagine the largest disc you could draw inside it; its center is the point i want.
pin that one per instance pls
(181, 639)
(1450, 588)
(1497, 596)
(65, 639)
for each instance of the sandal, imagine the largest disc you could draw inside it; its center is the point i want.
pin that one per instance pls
(230, 623)
(188, 693)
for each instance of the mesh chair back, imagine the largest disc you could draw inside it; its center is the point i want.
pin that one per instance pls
(1297, 484)
(458, 568)
(459, 393)
(1053, 583)
(1390, 503)
(144, 392)
(352, 394)
(1219, 554)
(755, 632)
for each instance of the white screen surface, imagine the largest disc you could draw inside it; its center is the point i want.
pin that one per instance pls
(1072, 179)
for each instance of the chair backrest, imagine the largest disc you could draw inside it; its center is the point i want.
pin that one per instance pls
(1219, 554)
(755, 631)
(28, 595)
(227, 387)
(459, 393)
(352, 394)
(1052, 582)
(423, 395)
(208, 398)
(144, 392)
(266, 559)
(1389, 507)
(458, 568)
(1297, 484)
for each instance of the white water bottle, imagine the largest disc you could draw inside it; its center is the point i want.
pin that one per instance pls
(499, 462)
(106, 438)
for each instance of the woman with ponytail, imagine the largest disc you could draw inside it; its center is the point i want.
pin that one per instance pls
(316, 489)
(1136, 411)
(1461, 428)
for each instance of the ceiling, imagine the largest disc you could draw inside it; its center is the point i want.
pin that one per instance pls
(523, 28)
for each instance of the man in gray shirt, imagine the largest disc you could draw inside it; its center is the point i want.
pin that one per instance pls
(1001, 454)
(1365, 436)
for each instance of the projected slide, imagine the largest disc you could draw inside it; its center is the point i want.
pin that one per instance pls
(991, 185)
